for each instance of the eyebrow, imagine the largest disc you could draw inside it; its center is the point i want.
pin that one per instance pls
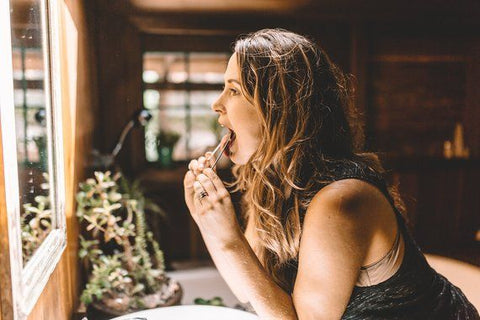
(233, 80)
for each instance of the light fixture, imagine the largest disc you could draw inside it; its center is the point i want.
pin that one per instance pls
(104, 161)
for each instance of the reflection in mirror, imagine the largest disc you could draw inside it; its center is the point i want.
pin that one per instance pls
(32, 148)
(31, 122)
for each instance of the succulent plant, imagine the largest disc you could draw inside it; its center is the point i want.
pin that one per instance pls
(125, 261)
(36, 222)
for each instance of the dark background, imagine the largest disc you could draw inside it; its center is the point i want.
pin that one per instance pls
(417, 68)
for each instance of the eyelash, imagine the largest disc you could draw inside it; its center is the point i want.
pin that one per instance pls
(233, 91)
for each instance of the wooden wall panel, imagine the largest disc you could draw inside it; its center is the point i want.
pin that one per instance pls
(119, 84)
(442, 203)
(417, 94)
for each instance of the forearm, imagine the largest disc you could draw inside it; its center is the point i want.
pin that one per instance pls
(245, 275)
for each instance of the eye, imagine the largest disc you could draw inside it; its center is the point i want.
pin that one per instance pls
(231, 91)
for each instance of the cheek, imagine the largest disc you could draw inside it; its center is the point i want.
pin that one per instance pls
(249, 128)
(247, 124)
(249, 138)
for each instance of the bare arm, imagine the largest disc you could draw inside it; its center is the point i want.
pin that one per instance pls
(334, 243)
(223, 264)
(336, 235)
(244, 274)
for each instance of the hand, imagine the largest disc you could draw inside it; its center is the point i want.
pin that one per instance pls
(195, 167)
(213, 212)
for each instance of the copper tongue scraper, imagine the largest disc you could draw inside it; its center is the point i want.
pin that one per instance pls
(222, 151)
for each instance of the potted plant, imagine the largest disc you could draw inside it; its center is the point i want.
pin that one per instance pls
(126, 264)
(166, 140)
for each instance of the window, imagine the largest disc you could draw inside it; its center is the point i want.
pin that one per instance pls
(179, 89)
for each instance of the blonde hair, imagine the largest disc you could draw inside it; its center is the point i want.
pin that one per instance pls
(309, 127)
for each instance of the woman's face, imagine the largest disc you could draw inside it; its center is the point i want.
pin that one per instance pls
(239, 115)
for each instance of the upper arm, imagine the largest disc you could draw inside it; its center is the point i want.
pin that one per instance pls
(334, 243)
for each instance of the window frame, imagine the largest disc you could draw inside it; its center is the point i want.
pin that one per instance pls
(26, 283)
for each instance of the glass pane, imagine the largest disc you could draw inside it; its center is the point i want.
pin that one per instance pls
(206, 132)
(173, 98)
(186, 112)
(207, 67)
(151, 99)
(31, 123)
(161, 66)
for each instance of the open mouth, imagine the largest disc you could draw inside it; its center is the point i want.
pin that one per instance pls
(233, 136)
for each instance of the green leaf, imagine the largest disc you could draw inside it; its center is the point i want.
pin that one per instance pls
(200, 301)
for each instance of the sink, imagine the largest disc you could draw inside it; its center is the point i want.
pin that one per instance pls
(196, 312)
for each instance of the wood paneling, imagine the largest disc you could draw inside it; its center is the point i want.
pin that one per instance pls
(119, 52)
(442, 203)
(417, 94)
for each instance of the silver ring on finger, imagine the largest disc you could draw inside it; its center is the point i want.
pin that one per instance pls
(202, 195)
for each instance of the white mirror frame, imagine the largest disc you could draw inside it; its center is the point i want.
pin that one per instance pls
(29, 281)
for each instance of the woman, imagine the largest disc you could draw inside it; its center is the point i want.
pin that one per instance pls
(324, 236)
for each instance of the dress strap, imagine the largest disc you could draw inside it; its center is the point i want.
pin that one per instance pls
(363, 172)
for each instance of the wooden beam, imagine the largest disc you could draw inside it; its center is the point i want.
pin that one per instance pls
(190, 43)
(359, 69)
(217, 5)
(184, 86)
(207, 23)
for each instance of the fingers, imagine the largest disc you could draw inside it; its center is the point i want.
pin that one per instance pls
(198, 165)
(217, 182)
(213, 185)
(188, 180)
(193, 166)
(210, 159)
(197, 186)
(201, 197)
(207, 184)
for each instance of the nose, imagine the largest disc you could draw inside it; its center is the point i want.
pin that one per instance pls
(218, 107)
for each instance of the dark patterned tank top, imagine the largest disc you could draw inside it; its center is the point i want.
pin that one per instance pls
(415, 291)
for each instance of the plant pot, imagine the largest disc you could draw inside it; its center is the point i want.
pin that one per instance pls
(100, 311)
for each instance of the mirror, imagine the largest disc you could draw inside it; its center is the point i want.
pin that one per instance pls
(32, 136)
(32, 144)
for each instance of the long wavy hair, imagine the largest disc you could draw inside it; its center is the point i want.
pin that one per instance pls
(309, 127)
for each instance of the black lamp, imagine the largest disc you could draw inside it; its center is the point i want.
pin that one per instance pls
(139, 119)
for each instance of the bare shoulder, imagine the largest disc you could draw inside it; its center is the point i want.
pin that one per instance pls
(357, 206)
(351, 195)
(336, 238)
